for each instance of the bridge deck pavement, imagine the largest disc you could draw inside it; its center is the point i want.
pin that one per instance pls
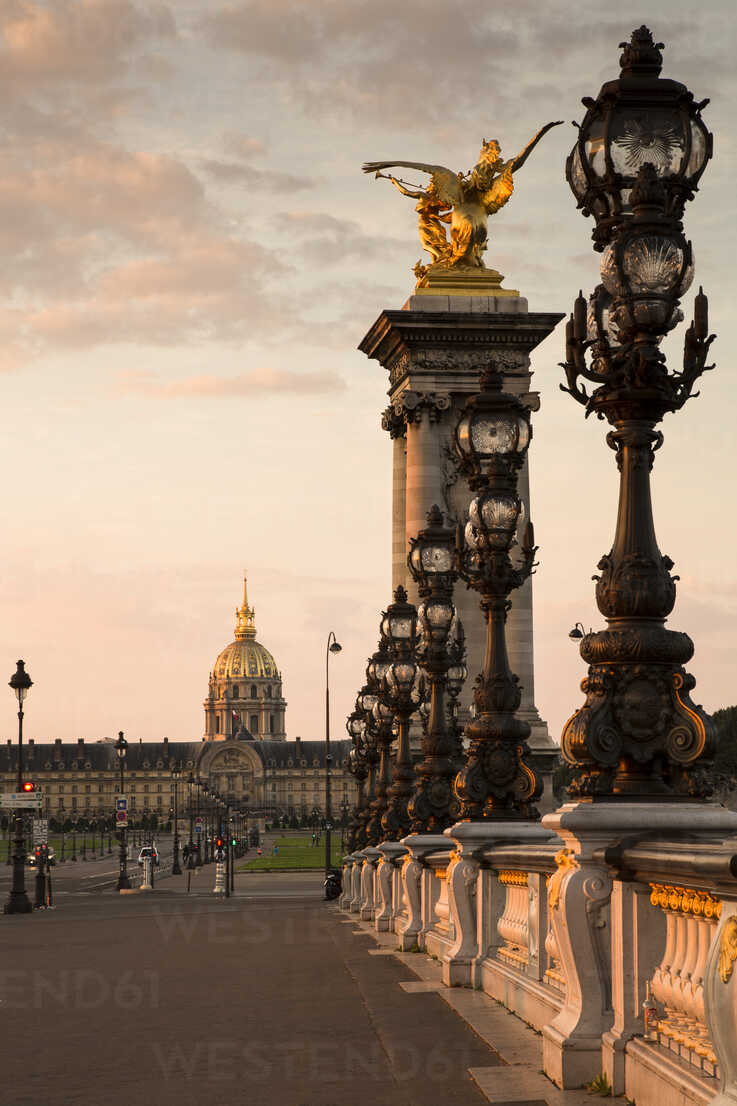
(266, 999)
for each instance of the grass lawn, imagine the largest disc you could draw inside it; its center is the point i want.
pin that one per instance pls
(295, 852)
(55, 844)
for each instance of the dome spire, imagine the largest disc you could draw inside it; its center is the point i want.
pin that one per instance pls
(245, 625)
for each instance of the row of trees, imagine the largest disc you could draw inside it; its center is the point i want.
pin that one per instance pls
(83, 824)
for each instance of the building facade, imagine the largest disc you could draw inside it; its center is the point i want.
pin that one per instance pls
(263, 779)
(244, 755)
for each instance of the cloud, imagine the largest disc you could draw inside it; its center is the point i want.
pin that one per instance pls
(82, 42)
(242, 145)
(257, 382)
(328, 240)
(379, 61)
(229, 172)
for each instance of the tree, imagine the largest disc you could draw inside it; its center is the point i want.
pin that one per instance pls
(725, 759)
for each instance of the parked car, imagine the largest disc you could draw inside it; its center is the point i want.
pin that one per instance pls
(149, 851)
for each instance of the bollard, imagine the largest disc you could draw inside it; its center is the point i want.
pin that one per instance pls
(219, 888)
(147, 884)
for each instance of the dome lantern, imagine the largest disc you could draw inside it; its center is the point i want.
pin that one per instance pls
(245, 625)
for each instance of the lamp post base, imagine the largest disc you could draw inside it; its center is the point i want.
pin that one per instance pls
(18, 903)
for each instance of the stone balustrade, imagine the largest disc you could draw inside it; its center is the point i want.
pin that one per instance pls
(566, 929)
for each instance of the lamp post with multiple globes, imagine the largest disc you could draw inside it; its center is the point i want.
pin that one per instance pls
(496, 782)
(432, 562)
(403, 692)
(639, 155)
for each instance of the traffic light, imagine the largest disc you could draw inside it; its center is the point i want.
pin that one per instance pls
(234, 841)
(28, 786)
(219, 842)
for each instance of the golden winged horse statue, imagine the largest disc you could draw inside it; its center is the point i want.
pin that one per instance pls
(465, 200)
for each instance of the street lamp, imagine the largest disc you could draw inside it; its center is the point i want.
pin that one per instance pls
(121, 748)
(379, 727)
(358, 768)
(432, 562)
(18, 902)
(198, 851)
(403, 692)
(492, 436)
(175, 868)
(640, 152)
(331, 647)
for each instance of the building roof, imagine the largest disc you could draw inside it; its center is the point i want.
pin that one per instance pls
(148, 756)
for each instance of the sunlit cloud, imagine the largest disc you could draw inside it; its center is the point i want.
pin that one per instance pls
(256, 382)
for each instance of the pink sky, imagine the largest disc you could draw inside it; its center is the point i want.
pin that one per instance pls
(191, 256)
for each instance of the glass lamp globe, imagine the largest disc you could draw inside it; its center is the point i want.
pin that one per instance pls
(483, 436)
(640, 119)
(435, 617)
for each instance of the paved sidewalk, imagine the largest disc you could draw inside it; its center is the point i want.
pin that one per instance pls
(517, 1080)
(268, 999)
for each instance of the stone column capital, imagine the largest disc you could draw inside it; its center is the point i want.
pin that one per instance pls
(409, 407)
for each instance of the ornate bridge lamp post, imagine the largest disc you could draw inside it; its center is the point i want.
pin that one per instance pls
(492, 437)
(640, 153)
(357, 767)
(456, 677)
(638, 740)
(382, 723)
(366, 700)
(403, 692)
(431, 561)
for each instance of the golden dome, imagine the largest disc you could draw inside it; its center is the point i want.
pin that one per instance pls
(245, 657)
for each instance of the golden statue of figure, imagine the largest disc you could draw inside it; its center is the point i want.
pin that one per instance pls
(465, 200)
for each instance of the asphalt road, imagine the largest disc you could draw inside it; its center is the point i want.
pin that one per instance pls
(268, 998)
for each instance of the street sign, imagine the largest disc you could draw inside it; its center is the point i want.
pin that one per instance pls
(121, 812)
(20, 800)
(40, 831)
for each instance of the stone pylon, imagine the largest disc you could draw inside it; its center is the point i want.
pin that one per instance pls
(434, 349)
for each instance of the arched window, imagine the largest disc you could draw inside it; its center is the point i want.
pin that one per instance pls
(254, 694)
(217, 724)
(268, 692)
(254, 724)
(271, 723)
(236, 694)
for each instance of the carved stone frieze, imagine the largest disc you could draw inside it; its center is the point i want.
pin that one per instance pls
(455, 360)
